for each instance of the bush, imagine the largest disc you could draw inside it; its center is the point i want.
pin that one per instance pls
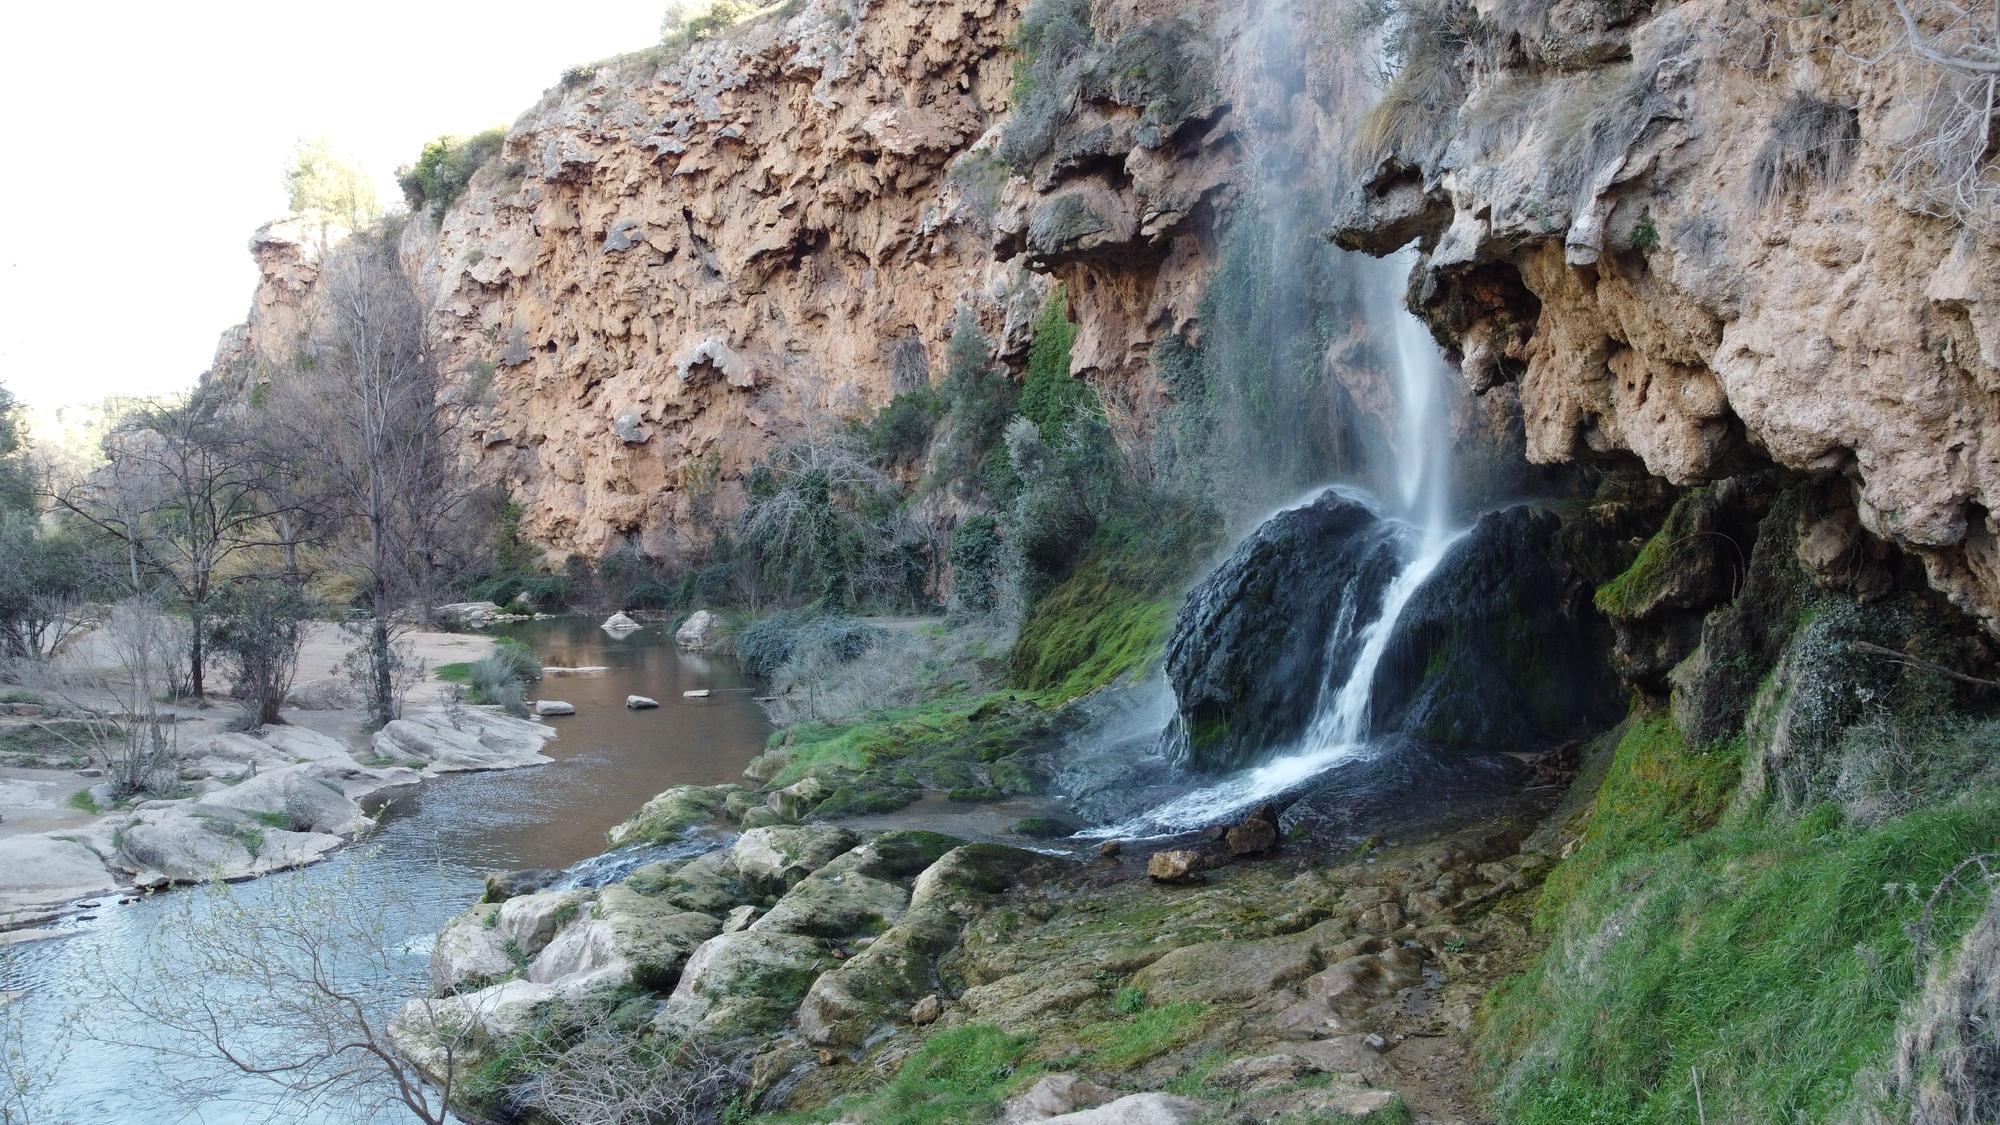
(501, 676)
(976, 553)
(762, 647)
(257, 632)
(690, 21)
(978, 399)
(901, 431)
(1051, 397)
(446, 166)
(1053, 44)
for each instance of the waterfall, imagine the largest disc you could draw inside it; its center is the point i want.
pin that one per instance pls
(1407, 481)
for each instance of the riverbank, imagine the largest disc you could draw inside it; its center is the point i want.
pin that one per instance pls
(251, 803)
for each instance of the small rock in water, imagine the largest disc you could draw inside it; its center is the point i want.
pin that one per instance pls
(1256, 835)
(618, 622)
(926, 1011)
(1109, 849)
(641, 703)
(697, 693)
(1174, 866)
(554, 707)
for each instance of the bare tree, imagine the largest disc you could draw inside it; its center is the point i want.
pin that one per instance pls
(365, 411)
(809, 514)
(284, 997)
(183, 492)
(113, 693)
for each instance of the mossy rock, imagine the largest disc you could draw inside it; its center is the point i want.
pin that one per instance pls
(653, 933)
(1045, 827)
(859, 799)
(707, 884)
(672, 813)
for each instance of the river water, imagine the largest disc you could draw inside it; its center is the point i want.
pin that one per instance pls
(424, 865)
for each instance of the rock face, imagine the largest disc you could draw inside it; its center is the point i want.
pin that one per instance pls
(677, 260)
(1727, 263)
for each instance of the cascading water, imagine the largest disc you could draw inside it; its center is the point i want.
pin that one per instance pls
(1418, 527)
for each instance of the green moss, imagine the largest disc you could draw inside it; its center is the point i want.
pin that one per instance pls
(1051, 397)
(958, 1075)
(1090, 632)
(1773, 955)
(278, 820)
(1044, 828)
(1657, 792)
(1121, 1044)
(1632, 593)
(457, 672)
(81, 799)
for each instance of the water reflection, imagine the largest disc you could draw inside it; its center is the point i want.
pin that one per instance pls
(423, 866)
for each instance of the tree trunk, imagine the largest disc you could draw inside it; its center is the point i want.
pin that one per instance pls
(383, 703)
(195, 657)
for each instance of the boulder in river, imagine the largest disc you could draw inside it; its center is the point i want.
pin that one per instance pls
(619, 623)
(640, 702)
(547, 707)
(701, 631)
(469, 615)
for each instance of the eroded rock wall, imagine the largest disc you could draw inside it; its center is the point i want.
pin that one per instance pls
(678, 261)
(1687, 235)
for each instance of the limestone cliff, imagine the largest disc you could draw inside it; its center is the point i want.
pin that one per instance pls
(677, 261)
(1690, 234)
(1673, 237)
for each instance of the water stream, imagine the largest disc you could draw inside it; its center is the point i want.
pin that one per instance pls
(423, 866)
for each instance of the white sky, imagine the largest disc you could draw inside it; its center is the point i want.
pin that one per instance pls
(145, 141)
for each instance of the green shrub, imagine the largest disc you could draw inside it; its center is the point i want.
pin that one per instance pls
(1053, 46)
(978, 400)
(901, 431)
(1645, 235)
(976, 554)
(762, 647)
(446, 166)
(1051, 397)
(687, 22)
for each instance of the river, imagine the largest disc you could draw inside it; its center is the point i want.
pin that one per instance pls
(424, 865)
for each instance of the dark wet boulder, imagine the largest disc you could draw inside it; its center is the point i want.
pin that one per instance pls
(1500, 649)
(1259, 638)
